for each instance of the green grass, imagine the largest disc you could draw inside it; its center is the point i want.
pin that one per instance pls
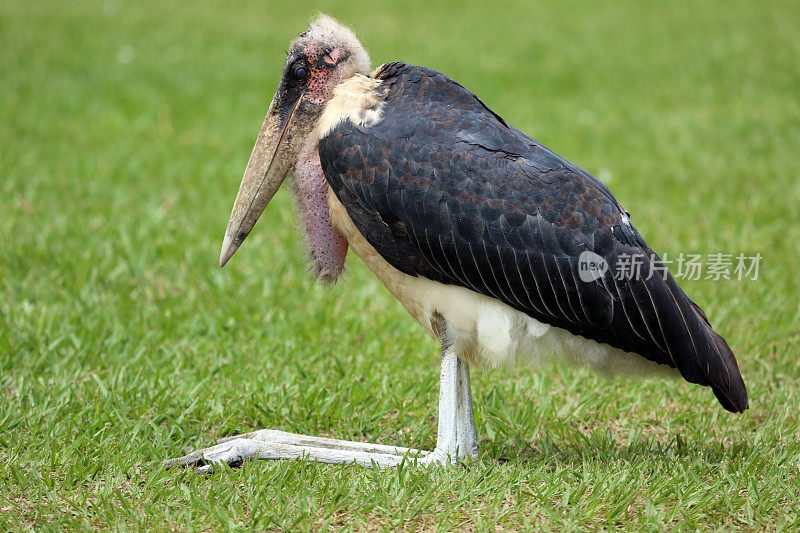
(124, 131)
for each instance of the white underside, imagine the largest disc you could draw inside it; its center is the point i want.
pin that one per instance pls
(490, 333)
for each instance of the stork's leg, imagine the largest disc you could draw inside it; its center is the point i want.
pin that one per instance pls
(467, 434)
(456, 437)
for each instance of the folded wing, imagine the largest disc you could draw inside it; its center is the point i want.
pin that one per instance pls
(443, 188)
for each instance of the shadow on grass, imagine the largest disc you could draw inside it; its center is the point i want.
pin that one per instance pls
(594, 448)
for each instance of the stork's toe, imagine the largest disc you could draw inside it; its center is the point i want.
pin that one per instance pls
(232, 453)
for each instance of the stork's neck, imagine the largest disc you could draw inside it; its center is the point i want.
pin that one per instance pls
(327, 247)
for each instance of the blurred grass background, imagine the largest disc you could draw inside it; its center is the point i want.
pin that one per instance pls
(124, 131)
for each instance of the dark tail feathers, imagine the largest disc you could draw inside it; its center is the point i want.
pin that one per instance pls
(727, 382)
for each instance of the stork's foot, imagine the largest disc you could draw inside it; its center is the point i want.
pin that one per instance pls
(456, 439)
(268, 444)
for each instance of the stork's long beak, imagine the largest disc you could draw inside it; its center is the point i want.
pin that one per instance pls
(274, 155)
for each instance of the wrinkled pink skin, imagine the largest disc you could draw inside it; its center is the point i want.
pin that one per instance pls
(328, 247)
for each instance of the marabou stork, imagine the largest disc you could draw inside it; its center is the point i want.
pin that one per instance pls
(474, 226)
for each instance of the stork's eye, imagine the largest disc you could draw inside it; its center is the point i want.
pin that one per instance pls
(300, 72)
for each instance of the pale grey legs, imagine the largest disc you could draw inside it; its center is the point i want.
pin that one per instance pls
(456, 438)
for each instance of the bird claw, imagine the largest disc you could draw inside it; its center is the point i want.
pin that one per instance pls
(232, 453)
(273, 445)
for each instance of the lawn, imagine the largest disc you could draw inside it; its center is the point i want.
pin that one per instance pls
(124, 131)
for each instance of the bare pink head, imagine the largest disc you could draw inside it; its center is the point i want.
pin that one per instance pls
(318, 60)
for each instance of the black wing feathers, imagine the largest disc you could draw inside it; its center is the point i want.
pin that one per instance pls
(443, 188)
